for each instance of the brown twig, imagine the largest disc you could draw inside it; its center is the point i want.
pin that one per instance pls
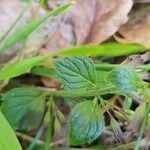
(39, 142)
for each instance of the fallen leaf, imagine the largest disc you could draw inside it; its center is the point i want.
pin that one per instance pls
(137, 29)
(51, 82)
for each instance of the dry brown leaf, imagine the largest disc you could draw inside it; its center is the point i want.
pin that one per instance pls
(137, 29)
(90, 21)
(51, 82)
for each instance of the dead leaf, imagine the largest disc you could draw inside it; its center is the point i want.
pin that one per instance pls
(137, 29)
(51, 82)
(90, 21)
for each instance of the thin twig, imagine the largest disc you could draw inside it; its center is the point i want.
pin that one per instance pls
(39, 142)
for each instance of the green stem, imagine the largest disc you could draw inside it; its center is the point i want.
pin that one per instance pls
(78, 94)
(107, 67)
(48, 136)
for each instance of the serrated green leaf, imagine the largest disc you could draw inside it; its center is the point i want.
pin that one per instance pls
(76, 73)
(125, 78)
(8, 139)
(86, 123)
(23, 107)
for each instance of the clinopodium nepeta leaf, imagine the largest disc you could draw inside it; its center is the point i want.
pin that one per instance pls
(86, 123)
(23, 107)
(125, 78)
(76, 73)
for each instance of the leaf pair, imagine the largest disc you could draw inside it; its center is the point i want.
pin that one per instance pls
(79, 74)
(86, 121)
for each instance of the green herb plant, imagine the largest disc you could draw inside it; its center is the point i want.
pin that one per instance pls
(81, 79)
(84, 83)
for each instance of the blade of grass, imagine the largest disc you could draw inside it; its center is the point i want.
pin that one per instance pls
(143, 67)
(8, 139)
(105, 49)
(18, 68)
(15, 22)
(137, 144)
(37, 137)
(30, 27)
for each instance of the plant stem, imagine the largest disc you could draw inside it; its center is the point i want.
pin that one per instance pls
(107, 67)
(82, 93)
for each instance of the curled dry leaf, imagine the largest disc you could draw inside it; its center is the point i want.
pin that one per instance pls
(137, 29)
(90, 21)
(138, 59)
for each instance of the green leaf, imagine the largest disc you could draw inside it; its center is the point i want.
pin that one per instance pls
(23, 107)
(86, 123)
(125, 78)
(18, 68)
(30, 27)
(76, 73)
(8, 139)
